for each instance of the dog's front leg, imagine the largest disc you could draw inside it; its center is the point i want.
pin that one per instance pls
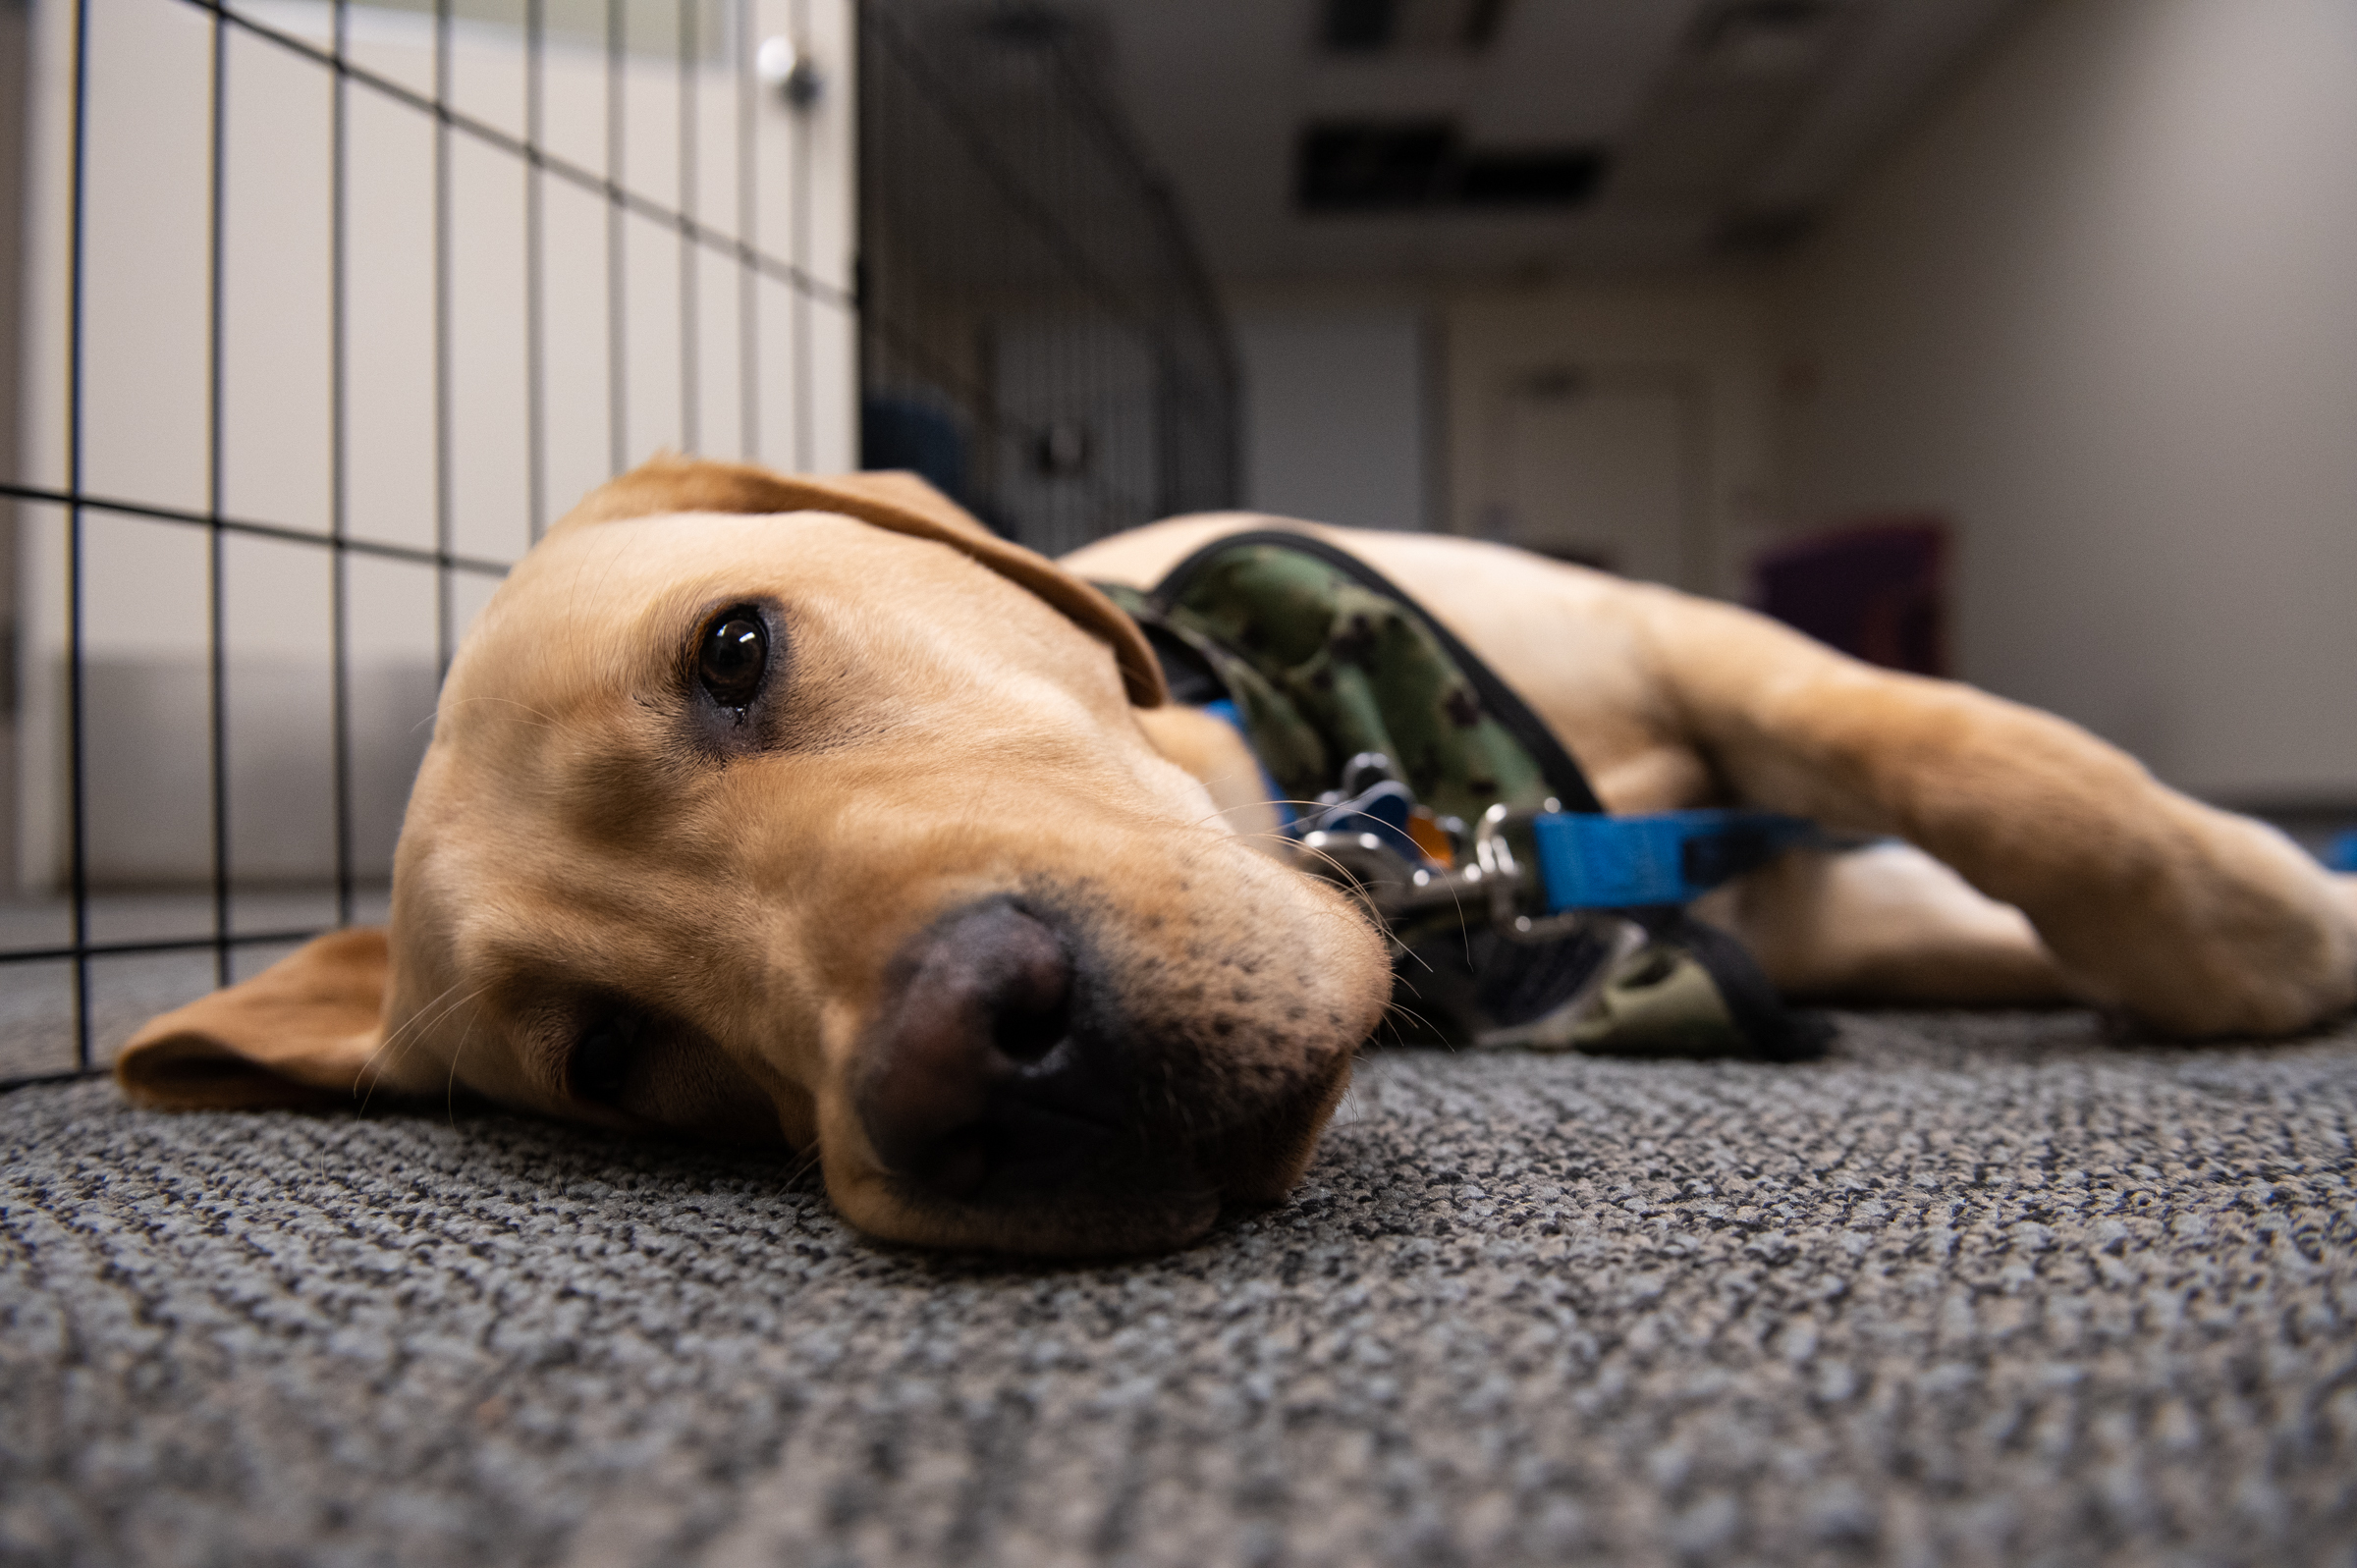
(2192, 920)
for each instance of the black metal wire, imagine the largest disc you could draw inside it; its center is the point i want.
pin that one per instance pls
(445, 482)
(698, 240)
(215, 567)
(339, 484)
(37, 1080)
(1022, 276)
(748, 304)
(76, 695)
(618, 401)
(119, 949)
(535, 327)
(78, 503)
(799, 246)
(736, 248)
(689, 101)
(84, 501)
(1015, 191)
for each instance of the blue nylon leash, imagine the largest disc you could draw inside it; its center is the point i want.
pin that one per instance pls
(1588, 861)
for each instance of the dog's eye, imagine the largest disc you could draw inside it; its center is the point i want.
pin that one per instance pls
(734, 656)
(601, 1061)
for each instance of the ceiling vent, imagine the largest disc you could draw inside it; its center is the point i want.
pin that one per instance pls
(1378, 27)
(1421, 165)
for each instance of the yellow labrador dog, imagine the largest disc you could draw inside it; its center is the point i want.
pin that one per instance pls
(808, 811)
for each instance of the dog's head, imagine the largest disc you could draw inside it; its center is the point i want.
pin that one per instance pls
(771, 810)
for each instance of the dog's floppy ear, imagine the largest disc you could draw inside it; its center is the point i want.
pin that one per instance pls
(303, 1032)
(900, 502)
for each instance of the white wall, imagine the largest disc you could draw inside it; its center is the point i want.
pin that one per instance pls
(2100, 305)
(146, 378)
(1337, 411)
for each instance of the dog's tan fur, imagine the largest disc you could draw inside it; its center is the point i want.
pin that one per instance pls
(964, 720)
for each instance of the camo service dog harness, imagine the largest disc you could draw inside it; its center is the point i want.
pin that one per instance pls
(1520, 914)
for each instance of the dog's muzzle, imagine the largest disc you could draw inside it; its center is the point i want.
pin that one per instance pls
(998, 1070)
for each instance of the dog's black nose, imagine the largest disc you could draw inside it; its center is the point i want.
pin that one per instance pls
(983, 1070)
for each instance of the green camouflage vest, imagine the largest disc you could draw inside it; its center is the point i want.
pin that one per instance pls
(1322, 663)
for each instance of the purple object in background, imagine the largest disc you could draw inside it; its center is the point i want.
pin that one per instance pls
(1876, 590)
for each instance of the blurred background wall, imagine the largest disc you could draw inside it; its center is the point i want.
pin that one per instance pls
(1337, 405)
(1664, 285)
(2098, 305)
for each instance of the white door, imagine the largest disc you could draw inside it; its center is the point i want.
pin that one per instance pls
(1600, 467)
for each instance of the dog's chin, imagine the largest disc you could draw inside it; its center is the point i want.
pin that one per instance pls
(1143, 1200)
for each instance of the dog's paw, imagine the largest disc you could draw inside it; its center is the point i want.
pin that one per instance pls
(2229, 928)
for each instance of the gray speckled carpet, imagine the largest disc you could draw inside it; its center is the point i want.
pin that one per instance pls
(1979, 1288)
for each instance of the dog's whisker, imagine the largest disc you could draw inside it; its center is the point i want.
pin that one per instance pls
(395, 1048)
(1247, 840)
(432, 1013)
(806, 1161)
(450, 1088)
(389, 1041)
(1350, 887)
(1294, 845)
(1284, 840)
(1410, 953)
(1401, 981)
(1412, 1016)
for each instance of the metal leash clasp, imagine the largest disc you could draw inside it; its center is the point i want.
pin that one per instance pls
(1505, 879)
(1496, 881)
